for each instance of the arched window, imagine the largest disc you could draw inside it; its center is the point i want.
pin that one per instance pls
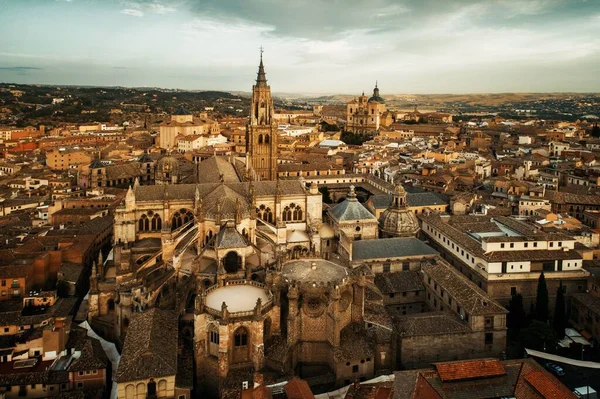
(180, 218)
(287, 214)
(144, 223)
(162, 388)
(130, 392)
(260, 139)
(208, 237)
(156, 222)
(267, 139)
(141, 391)
(151, 388)
(240, 337)
(232, 262)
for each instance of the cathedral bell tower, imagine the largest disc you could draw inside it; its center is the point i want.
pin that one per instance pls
(261, 131)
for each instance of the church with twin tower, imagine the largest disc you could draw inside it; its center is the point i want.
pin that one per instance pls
(261, 131)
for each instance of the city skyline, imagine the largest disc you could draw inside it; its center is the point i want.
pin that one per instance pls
(409, 47)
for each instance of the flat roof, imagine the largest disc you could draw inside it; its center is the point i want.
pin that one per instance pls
(239, 298)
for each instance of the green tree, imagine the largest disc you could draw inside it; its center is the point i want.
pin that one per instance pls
(516, 316)
(325, 192)
(596, 130)
(559, 321)
(538, 336)
(62, 289)
(541, 300)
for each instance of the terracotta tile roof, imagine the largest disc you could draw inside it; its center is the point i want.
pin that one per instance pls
(470, 369)
(424, 390)
(297, 388)
(547, 387)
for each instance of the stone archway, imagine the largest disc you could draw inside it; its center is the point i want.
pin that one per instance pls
(232, 262)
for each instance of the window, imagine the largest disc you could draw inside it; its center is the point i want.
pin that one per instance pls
(392, 295)
(4, 283)
(560, 243)
(489, 338)
(513, 291)
(535, 244)
(551, 244)
(526, 245)
(512, 244)
(405, 266)
(404, 293)
(355, 368)
(386, 267)
(241, 337)
(80, 385)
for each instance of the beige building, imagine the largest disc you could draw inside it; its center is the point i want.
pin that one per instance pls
(364, 115)
(183, 124)
(57, 159)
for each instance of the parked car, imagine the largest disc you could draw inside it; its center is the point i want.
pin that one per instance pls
(555, 369)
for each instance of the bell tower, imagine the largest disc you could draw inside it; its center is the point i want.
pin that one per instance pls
(261, 131)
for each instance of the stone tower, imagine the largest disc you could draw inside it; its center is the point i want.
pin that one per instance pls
(261, 132)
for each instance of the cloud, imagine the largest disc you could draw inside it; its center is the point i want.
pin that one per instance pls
(20, 68)
(132, 12)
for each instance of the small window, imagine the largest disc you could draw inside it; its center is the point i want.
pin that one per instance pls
(80, 385)
(355, 368)
(512, 244)
(386, 267)
(513, 291)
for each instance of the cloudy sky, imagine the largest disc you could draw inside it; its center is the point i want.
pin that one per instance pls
(311, 46)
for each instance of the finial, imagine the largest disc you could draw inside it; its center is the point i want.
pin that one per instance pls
(375, 84)
(262, 50)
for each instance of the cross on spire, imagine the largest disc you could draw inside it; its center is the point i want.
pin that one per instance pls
(262, 50)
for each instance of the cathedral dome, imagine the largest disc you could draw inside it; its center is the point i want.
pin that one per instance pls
(376, 97)
(398, 220)
(395, 222)
(167, 171)
(168, 165)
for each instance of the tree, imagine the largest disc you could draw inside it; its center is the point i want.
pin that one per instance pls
(541, 300)
(538, 336)
(62, 289)
(516, 316)
(596, 130)
(559, 321)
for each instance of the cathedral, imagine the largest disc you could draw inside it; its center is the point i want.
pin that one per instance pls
(253, 270)
(366, 115)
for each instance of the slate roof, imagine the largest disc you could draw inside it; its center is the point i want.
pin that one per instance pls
(188, 191)
(389, 283)
(150, 348)
(466, 294)
(215, 169)
(350, 209)
(430, 323)
(229, 237)
(385, 248)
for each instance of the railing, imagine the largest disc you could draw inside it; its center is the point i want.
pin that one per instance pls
(265, 307)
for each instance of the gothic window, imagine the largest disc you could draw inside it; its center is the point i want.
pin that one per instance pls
(264, 213)
(208, 237)
(180, 218)
(241, 337)
(144, 223)
(267, 139)
(156, 223)
(287, 214)
(297, 215)
(260, 139)
(214, 336)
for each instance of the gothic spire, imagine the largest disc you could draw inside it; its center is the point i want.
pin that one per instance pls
(261, 78)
